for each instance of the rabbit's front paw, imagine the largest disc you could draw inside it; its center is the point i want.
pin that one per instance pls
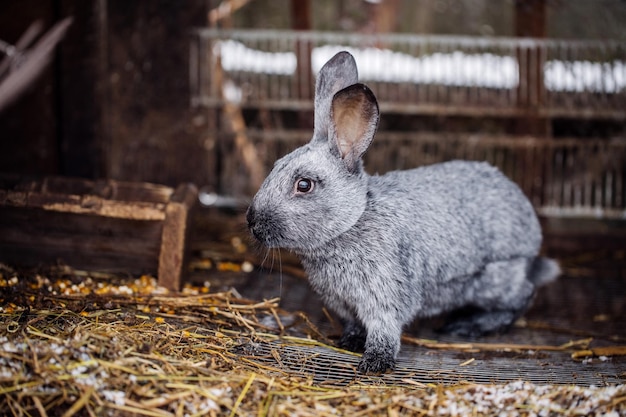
(376, 362)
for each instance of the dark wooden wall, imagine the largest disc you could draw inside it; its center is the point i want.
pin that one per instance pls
(115, 101)
(154, 135)
(29, 127)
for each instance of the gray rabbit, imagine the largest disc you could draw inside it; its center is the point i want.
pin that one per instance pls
(382, 250)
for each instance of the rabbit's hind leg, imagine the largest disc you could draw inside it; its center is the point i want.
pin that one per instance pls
(353, 336)
(481, 323)
(497, 297)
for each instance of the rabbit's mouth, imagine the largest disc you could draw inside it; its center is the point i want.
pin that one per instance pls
(264, 227)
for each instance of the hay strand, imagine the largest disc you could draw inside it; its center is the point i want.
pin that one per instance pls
(126, 347)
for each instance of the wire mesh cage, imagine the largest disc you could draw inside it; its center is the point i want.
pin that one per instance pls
(436, 76)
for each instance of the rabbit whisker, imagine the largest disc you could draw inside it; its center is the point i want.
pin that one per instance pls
(280, 275)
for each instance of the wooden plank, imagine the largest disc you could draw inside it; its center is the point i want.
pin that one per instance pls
(98, 226)
(108, 189)
(32, 237)
(110, 198)
(87, 204)
(174, 235)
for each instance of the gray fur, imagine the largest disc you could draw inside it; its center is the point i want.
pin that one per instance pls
(382, 250)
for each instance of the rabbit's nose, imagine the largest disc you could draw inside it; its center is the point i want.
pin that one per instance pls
(255, 224)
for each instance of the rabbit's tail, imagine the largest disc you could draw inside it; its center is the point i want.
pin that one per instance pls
(543, 271)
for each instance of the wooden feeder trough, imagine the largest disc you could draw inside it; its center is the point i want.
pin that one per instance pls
(108, 226)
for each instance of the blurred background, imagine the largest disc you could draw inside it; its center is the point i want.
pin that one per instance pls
(145, 97)
(212, 92)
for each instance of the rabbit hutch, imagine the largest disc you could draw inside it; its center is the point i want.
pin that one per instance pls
(130, 285)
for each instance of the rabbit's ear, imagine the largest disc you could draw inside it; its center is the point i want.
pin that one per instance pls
(339, 72)
(354, 114)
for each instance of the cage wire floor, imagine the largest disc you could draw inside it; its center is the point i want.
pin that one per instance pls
(542, 348)
(574, 332)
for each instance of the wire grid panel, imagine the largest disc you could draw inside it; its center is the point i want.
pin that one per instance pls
(562, 177)
(420, 366)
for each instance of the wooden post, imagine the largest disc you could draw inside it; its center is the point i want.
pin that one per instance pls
(530, 18)
(383, 16)
(530, 22)
(301, 14)
(301, 21)
(174, 235)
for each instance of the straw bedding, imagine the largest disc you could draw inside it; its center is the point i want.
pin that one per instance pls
(73, 343)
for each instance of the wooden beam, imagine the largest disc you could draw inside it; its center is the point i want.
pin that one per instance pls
(530, 18)
(530, 21)
(176, 228)
(301, 15)
(303, 81)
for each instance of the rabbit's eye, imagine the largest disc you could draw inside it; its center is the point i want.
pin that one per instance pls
(304, 185)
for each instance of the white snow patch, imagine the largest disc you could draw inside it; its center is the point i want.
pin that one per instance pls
(238, 57)
(455, 68)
